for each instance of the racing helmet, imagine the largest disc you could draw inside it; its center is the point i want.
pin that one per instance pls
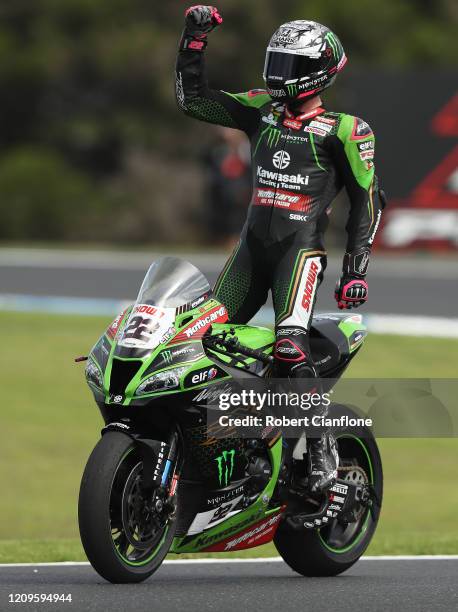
(302, 59)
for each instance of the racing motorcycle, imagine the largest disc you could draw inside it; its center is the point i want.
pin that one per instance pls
(158, 481)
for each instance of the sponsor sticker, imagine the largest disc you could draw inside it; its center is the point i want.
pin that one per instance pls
(361, 129)
(203, 376)
(296, 217)
(309, 289)
(364, 146)
(292, 124)
(146, 326)
(315, 130)
(328, 121)
(287, 181)
(280, 198)
(270, 119)
(317, 123)
(197, 328)
(114, 327)
(295, 139)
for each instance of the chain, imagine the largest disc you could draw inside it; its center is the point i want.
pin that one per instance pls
(349, 468)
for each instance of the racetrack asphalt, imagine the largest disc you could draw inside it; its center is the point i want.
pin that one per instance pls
(386, 585)
(405, 285)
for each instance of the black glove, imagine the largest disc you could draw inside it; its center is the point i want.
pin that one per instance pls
(351, 289)
(200, 20)
(351, 292)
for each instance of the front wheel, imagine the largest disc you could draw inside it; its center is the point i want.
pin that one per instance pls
(125, 535)
(333, 549)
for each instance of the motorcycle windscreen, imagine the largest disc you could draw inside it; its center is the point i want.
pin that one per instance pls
(172, 282)
(169, 284)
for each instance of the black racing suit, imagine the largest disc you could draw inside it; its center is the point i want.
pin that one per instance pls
(300, 163)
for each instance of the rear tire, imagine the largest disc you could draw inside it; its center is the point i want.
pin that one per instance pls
(313, 552)
(104, 495)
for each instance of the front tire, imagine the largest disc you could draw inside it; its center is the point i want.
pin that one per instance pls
(123, 542)
(330, 551)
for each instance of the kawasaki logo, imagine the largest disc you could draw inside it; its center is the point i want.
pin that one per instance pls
(281, 159)
(205, 321)
(225, 464)
(371, 239)
(309, 286)
(297, 179)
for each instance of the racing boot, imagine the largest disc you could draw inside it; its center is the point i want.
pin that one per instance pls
(324, 461)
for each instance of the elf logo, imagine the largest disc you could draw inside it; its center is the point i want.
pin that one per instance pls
(309, 286)
(204, 375)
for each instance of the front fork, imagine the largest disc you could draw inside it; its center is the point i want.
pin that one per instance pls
(161, 462)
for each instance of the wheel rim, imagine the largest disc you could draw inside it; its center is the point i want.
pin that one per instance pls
(338, 538)
(138, 531)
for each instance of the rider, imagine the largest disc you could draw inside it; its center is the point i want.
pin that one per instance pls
(302, 155)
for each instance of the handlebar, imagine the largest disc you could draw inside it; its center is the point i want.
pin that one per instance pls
(233, 345)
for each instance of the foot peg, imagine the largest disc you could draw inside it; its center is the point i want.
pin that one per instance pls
(339, 499)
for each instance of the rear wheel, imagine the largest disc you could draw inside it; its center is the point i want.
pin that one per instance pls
(125, 533)
(333, 549)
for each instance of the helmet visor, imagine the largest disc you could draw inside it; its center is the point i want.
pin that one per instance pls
(281, 66)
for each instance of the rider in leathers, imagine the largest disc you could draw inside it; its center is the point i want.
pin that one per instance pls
(302, 155)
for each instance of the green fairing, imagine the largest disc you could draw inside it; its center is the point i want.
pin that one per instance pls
(349, 327)
(232, 525)
(362, 174)
(250, 335)
(255, 337)
(254, 101)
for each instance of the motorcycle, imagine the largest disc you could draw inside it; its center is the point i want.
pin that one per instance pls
(157, 481)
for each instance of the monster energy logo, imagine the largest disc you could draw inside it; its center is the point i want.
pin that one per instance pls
(273, 136)
(167, 356)
(292, 90)
(333, 43)
(225, 466)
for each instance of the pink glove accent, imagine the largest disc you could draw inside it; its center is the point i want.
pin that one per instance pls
(216, 17)
(353, 293)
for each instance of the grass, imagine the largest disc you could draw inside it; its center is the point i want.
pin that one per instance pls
(50, 425)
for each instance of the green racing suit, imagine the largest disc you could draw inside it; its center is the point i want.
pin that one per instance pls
(299, 164)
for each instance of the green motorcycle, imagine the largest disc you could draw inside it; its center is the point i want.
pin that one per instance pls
(158, 481)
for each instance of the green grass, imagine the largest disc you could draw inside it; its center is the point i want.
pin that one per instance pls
(50, 425)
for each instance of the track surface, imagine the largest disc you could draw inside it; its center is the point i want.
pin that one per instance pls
(404, 285)
(376, 585)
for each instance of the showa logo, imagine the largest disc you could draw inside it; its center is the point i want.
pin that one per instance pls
(309, 286)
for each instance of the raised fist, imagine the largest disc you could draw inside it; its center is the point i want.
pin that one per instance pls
(200, 20)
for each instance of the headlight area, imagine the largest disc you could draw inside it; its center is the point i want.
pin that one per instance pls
(94, 374)
(163, 381)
